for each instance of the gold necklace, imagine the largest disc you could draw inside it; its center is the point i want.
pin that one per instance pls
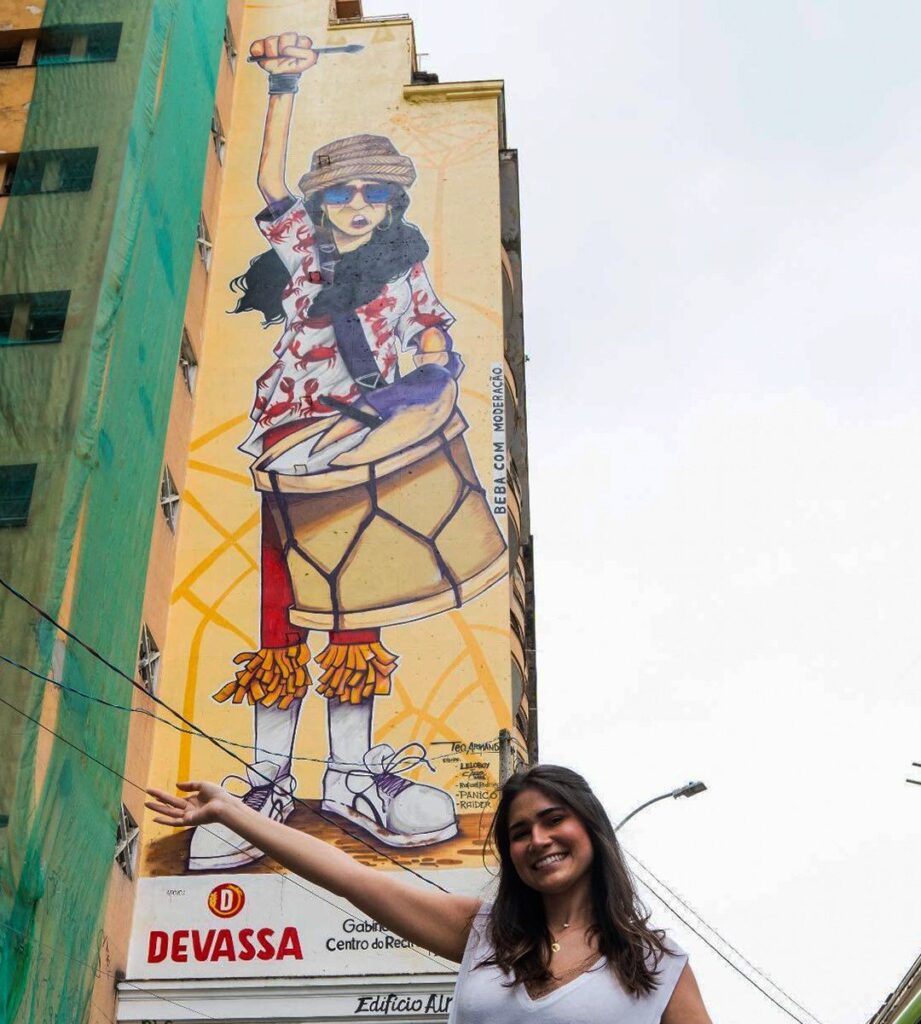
(555, 946)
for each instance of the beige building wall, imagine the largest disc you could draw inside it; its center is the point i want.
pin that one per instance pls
(16, 84)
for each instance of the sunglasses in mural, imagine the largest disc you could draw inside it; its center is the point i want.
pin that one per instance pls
(373, 193)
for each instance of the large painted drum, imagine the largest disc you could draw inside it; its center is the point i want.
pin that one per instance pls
(383, 541)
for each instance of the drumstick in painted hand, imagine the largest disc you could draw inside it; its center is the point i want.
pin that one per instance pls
(351, 48)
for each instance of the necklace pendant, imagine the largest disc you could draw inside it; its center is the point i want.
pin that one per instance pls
(555, 946)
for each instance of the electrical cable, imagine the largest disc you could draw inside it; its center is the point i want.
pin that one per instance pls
(752, 981)
(428, 956)
(203, 734)
(178, 728)
(100, 1011)
(100, 970)
(290, 879)
(753, 967)
(157, 700)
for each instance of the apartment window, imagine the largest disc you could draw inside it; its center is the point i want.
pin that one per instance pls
(204, 242)
(230, 46)
(33, 319)
(126, 842)
(10, 49)
(346, 10)
(8, 163)
(77, 44)
(148, 660)
(169, 499)
(54, 170)
(217, 136)
(188, 364)
(16, 483)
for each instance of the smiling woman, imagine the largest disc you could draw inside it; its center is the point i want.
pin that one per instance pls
(566, 940)
(567, 934)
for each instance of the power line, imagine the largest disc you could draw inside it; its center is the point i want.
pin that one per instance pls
(99, 970)
(162, 703)
(421, 952)
(757, 970)
(100, 1010)
(290, 879)
(719, 952)
(178, 728)
(197, 730)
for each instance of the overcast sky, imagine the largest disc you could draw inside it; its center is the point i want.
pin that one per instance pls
(720, 207)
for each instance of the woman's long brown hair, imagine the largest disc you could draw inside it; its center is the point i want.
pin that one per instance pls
(517, 927)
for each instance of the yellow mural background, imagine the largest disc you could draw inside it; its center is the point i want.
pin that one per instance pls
(453, 681)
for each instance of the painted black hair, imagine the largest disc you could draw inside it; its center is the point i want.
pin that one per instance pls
(517, 926)
(359, 276)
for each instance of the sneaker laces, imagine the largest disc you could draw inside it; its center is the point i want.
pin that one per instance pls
(386, 773)
(257, 795)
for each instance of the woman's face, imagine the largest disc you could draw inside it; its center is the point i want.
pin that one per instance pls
(355, 208)
(550, 847)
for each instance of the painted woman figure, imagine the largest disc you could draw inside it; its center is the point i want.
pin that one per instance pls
(346, 279)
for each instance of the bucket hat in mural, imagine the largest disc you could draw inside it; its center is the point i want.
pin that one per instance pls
(370, 157)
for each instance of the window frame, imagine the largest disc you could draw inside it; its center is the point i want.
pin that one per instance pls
(188, 361)
(32, 302)
(169, 499)
(7, 519)
(127, 842)
(32, 169)
(230, 45)
(218, 138)
(16, 44)
(94, 39)
(342, 16)
(8, 162)
(204, 243)
(148, 663)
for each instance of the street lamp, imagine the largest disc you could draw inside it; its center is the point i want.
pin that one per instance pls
(691, 789)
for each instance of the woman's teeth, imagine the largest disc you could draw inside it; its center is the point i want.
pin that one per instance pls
(550, 859)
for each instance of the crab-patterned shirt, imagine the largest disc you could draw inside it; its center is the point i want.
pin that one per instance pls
(307, 363)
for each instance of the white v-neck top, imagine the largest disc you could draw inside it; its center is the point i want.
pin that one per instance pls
(482, 995)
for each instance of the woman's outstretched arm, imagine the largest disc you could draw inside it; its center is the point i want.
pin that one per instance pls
(438, 921)
(289, 54)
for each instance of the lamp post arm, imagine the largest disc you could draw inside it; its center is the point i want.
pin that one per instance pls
(642, 807)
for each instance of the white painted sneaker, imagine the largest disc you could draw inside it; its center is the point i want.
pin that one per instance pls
(397, 811)
(215, 847)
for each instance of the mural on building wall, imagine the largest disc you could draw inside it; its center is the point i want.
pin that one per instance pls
(339, 615)
(372, 513)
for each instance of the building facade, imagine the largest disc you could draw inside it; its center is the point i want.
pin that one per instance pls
(903, 1004)
(263, 478)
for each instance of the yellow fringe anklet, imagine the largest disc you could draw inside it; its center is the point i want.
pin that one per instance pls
(354, 672)
(270, 676)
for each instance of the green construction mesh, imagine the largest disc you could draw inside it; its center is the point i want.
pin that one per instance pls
(91, 412)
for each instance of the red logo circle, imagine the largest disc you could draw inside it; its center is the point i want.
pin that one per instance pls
(226, 900)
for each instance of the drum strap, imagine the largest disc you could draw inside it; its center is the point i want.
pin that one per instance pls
(356, 352)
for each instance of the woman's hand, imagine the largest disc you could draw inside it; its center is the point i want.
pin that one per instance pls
(203, 804)
(287, 54)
